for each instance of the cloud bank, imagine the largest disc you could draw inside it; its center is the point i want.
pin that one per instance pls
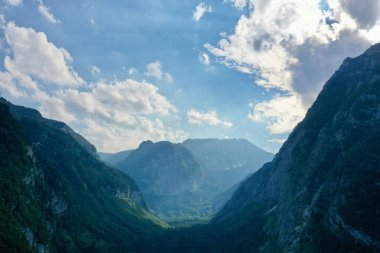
(293, 47)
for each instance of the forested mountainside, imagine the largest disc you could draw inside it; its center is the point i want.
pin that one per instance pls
(57, 197)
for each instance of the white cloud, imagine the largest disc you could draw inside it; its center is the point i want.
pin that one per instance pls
(14, 2)
(53, 107)
(94, 70)
(200, 11)
(8, 84)
(280, 113)
(120, 115)
(46, 13)
(206, 118)
(30, 47)
(92, 21)
(204, 58)
(119, 102)
(154, 69)
(295, 45)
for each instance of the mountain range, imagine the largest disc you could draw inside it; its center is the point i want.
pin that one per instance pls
(320, 193)
(193, 179)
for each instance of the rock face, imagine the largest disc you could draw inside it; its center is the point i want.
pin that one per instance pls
(321, 192)
(57, 197)
(194, 179)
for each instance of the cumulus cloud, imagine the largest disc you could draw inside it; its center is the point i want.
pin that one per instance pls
(293, 46)
(119, 102)
(121, 114)
(113, 116)
(201, 10)
(154, 69)
(14, 2)
(46, 13)
(29, 47)
(206, 118)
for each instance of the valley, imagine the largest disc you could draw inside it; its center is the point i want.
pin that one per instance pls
(319, 193)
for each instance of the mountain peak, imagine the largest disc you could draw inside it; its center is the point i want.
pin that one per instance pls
(147, 143)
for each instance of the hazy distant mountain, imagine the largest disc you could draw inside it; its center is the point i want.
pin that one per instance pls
(192, 179)
(228, 161)
(321, 192)
(114, 158)
(167, 175)
(57, 197)
(163, 168)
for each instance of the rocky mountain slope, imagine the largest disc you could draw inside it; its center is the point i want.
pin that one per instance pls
(321, 192)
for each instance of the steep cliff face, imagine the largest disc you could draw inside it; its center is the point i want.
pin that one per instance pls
(57, 197)
(329, 189)
(321, 191)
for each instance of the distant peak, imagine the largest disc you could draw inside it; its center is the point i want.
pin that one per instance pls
(146, 144)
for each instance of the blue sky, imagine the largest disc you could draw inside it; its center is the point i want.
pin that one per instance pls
(120, 72)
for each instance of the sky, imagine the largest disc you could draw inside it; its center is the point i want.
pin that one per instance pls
(120, 71)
